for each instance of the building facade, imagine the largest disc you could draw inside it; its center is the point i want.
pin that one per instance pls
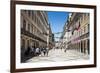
(34, 27)
(77, 30)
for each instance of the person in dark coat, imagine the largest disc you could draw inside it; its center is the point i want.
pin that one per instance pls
(44, 51)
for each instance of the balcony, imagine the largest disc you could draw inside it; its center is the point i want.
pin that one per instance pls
(34, 36)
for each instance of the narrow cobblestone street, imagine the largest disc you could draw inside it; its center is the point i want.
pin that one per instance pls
(59, 55)
(41, 32)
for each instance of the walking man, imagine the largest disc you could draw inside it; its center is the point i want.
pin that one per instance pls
(44, 51)
(37, 51)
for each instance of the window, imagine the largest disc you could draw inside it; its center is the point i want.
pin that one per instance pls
(33, 29)
(28, 43)
(35, 19)
(88, 28)
(85, 16)
(29, 27)
(32, 15)
(24, 24)
(84, 29)
(81, 31)
(29, 13)
(80, 19)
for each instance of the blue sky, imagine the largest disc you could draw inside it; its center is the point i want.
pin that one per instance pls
(57, 21)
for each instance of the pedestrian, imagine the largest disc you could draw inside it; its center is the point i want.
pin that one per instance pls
(44, 51)
(65, 50)
(33, 50)
(37, 51)
(47, 51)
(41, 50)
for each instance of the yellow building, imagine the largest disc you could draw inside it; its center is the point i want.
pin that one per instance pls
(78, 34)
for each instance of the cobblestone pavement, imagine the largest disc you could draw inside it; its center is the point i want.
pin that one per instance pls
(59, 55)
